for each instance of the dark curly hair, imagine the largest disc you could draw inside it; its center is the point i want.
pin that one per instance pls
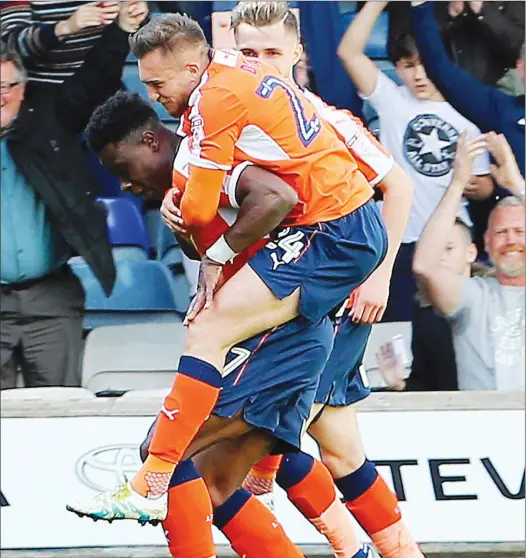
(118, 118)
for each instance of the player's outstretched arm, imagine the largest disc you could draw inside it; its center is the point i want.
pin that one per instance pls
(351, 50)
(442, 285)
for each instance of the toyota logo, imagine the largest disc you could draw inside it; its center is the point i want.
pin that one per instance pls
(104, 468)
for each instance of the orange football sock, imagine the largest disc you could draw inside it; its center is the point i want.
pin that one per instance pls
(315, 496)
(188, 526)
(255, 533)
(193, 395)
(262, 475)
(378, 512)
(377, 508)
(396, 541)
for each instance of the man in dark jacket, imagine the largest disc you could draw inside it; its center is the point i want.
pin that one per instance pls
(49, 212)
(482, 38)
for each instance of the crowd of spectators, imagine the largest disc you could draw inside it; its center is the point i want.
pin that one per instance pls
(48, 208)
(459, 276)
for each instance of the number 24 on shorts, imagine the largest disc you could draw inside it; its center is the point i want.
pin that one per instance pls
(287, 248)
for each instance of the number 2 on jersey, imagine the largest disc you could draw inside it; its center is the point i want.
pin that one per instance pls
(307, 129)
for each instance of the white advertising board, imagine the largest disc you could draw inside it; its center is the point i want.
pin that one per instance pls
(459, 474)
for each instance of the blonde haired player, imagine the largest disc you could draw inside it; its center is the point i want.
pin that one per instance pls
(132, 143)
(236, 109)
(269, 31)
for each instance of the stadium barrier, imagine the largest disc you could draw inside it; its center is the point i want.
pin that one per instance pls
(456, 461)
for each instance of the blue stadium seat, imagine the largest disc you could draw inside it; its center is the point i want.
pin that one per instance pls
(142, 293)
(109, 184)
(127, 228)
(346, 7)
(171, 256)
(166, 241)
(377, 44)
(371, 118)
(152, 218)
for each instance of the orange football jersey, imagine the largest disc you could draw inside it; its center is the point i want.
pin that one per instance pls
(373, 159)
(243, 111)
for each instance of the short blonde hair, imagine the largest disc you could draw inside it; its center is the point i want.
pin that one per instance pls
(167, 32)
(508, 201)
(261, 14)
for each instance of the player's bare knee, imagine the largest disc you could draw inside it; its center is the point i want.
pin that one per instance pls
(341, 463)
(220, 486)
(205, 334)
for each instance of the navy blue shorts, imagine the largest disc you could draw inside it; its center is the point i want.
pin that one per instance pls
(273, 377)
(326, 261)
(343, 381)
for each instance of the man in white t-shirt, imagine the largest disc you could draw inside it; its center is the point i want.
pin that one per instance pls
(486, 313)
(421, 131)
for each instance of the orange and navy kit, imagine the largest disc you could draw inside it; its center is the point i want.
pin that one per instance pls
(243, 111)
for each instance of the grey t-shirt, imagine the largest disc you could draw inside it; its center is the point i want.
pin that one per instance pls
(488, 335)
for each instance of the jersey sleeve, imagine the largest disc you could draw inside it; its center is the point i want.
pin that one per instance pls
(374, 161)
(231, 181)
(216, 120)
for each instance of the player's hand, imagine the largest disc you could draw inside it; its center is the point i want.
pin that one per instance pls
(208, 282)
(506, 172)
(369, 300)
(132, 14)
(171, 214)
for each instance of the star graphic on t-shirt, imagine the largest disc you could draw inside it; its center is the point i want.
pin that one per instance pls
(431, 143)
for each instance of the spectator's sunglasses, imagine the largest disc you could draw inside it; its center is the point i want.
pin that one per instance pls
(6, 86)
